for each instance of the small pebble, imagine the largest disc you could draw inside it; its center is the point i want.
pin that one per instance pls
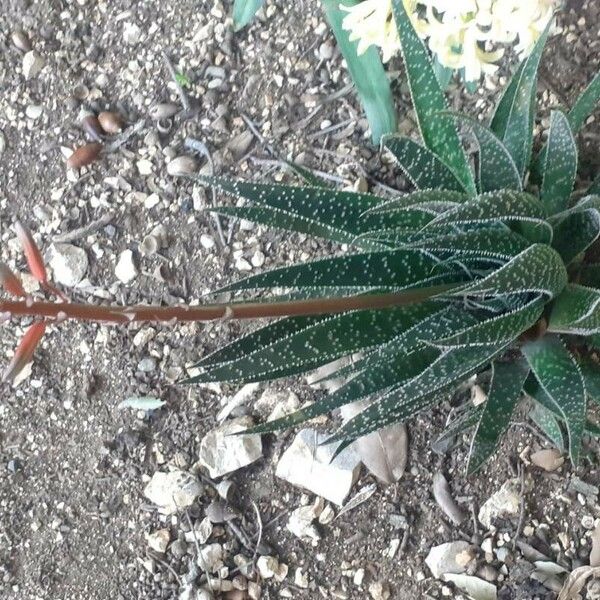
(126, 271)
(33, 63)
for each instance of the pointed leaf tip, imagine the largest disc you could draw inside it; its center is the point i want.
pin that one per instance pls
(10, 282)
(32, 253)
(25, 350)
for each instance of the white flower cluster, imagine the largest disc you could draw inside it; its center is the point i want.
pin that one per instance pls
(462, 34)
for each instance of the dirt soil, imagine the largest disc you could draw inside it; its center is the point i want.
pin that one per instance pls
(73, 465)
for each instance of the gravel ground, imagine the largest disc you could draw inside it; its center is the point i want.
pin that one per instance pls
(73, 466)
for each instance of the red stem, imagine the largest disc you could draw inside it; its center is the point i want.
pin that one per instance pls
(210, 312)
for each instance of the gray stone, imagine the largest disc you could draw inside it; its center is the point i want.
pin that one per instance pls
(33, 63)
(301, 524)
(159, 540)
(222, 453)
(308, 465)
(126, 271)
(504, 504)
(451, 557)
(69, 264)
(147, 364)
(173, 490)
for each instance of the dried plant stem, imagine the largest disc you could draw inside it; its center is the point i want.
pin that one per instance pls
(210, 312)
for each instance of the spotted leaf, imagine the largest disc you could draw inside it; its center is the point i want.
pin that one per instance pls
(422, 166)
(560, 165)
(438, 133)
(560, 378)
(504, 393)
(496, 169)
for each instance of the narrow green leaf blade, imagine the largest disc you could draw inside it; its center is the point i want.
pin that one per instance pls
(504, 205)
(244, 11)
(367, 73)
(306, 175)
(549, 424)
(582, 109)
(539, 269)
(499, 122)
(590, 371)
(492, 242)
(396, 270)
(395, 371)
(420, 392)
(299, 344)
(497, 330)
(585, 104)
(439, 133)
(504, 393)
(576, 311)
(389, 366)
(424, 169)
(559, 376)
(334, 214)
(575, 234)
(496, 168)
(560, 166)
(515, 123)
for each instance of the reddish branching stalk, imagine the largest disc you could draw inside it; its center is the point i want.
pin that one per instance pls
(46, 311)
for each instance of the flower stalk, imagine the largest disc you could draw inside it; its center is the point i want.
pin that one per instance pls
(248, 310)
(58, 311)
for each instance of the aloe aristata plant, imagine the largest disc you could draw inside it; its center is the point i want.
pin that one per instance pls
(471, 273)
(481, 273)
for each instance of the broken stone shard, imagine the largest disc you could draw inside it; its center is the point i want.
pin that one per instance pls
(451, 557)
(308, 465)
(504, 504)
(222, 453)
(172, 491)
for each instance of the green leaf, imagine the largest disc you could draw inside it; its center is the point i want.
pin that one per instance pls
(422, 391)
(575, 234)
(582, 109)
(590, 370)
(416, 199)
(560, 166)
(500, 118)
(576, 311)
(396, 270)
(367, 73)
(335, 215)
(505, 205)
(496, 167)
(585, 104)
(513, 120)
(438, 132)
(492, 242)
(299, 344)
(539, 269)
(183, 80)
(497, 330)
(244, 11)
(468, 419)
(424, 169)
(395, 371)
(549, 424)
(504, 393)
(389, 366)
(559, 376)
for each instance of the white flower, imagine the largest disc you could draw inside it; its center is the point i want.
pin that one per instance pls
(462, 34)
